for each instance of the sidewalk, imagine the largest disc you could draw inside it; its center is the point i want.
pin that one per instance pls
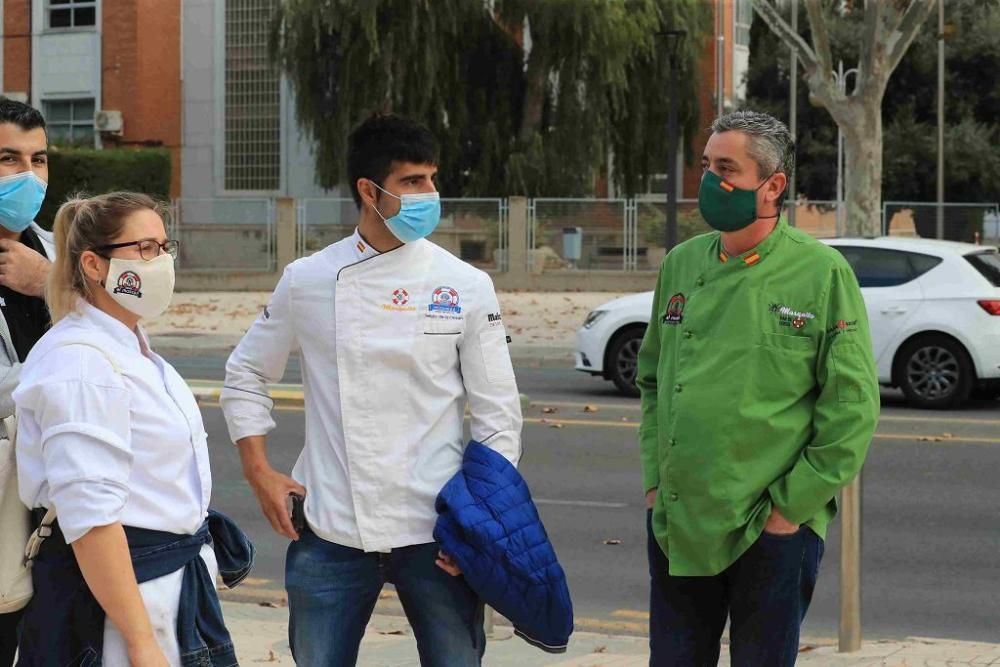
(542, 326)
(260, 635)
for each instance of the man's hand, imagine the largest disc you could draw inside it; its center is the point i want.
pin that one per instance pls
(650, 499)
(22, 269)
(445, 562)
(779, 525)
(272, 489)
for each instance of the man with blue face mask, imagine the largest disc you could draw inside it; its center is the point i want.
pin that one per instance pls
(25, 249)
(396, 338)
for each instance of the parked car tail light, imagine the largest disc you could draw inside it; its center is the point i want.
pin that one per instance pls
(991, 306)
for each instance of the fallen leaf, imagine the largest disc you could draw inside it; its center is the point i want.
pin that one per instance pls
(624, 419)
(601, 649)
(590, 408)
(555, 425)
(612, 542)
(269, 605)
(391, 632)
(548, 411)
(947, 435)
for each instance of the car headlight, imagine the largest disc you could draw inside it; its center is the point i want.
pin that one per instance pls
(593, 318)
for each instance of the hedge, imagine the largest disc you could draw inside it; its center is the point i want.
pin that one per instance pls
(95, 172)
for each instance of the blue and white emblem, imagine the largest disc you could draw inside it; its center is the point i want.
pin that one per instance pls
(444, 300)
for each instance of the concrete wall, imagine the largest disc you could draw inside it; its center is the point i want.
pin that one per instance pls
(203, 95)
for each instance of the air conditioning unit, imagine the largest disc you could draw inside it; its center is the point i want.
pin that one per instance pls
(108, 121)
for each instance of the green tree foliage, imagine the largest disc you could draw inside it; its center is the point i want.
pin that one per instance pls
(526, 96)
(909, 108)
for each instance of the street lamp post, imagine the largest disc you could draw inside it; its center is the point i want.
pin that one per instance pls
(939, 217)
(675, 39)
(840, 78)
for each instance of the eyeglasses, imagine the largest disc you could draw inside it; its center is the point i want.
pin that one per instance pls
(148, 248)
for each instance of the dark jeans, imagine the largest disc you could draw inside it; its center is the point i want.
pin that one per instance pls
(332, 591)
(8, 637)
(765, 593)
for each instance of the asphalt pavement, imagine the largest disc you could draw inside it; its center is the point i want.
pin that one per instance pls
(931, 508)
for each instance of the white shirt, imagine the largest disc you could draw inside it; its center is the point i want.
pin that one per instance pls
(104, 447)
(393, 347)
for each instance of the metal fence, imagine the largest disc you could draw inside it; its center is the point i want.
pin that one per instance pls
(606, 226)
(324, 221)
(970, 222)
(239, 234)
(225, 234)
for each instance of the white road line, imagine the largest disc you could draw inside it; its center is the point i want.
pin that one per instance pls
(580, 503)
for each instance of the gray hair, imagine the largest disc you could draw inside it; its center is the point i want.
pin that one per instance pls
(769, 142)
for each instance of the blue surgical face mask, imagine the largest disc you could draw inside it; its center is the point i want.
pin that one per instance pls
(21, 196)
(418, 215)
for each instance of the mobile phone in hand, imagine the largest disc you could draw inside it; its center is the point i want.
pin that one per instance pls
(297, 510)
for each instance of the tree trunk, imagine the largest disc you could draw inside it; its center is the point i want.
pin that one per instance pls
(534, 94)
(863, 169)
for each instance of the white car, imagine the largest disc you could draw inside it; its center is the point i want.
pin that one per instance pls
(934, 308)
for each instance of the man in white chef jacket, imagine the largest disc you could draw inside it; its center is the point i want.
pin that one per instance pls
(396, 337)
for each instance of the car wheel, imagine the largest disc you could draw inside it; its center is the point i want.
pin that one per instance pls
(623, 354)
(935, 372)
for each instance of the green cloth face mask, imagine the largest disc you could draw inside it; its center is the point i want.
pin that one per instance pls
(726, 207)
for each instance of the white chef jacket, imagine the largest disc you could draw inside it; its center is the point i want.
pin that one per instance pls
(393, 347)
(104, 447)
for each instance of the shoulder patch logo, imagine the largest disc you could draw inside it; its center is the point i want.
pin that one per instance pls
(674, 313)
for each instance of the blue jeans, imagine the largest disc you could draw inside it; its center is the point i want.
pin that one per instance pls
(766, 593)
(332, 591)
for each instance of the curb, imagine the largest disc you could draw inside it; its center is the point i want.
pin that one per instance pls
(523, 356)
(289, 396)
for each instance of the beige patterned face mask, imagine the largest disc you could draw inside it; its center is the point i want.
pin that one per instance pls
(142, 287)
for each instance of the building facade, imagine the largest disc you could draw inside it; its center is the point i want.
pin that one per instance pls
(194, 76)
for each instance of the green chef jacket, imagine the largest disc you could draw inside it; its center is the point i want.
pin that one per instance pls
(759, 389)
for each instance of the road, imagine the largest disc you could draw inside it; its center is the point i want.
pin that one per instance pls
(931, 509)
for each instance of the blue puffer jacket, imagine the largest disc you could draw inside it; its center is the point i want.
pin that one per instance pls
(489, 525)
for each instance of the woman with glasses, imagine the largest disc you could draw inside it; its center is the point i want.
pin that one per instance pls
(111, 438)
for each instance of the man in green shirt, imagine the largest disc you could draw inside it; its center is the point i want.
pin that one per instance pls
(759, 401)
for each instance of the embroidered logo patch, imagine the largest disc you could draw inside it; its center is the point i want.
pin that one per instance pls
(444, 300)
(674, 313)
(494, 319)
(129, 283)
(842, 326)
(789, 317)
(400, 301)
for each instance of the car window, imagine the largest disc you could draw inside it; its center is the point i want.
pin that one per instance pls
(988, 264)
(880, 267)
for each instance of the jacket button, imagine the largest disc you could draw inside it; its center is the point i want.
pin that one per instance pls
(689, 334)
(674, 496)
(678, 388)
(672, 442)
(700, 282)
